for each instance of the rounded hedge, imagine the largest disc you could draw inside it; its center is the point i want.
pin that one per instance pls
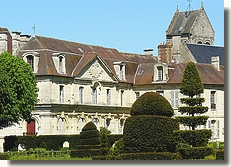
(149, 133)
(152, 103)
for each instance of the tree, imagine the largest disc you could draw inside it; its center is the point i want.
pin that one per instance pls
(18, 91)
(192, 86)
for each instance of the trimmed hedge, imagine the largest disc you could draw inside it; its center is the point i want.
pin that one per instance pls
(53, 142)
(4, 156)
(195, 152)
(151, 156)
(150, 133)
(151, 103)
(81, 153)
(220, 155)
(194, 137)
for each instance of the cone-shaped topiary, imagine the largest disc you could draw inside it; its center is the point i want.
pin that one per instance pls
(152, 103)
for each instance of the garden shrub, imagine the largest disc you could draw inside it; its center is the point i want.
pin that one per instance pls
(151, 156)
(152, 103)
(195, 138)
(195, 152)
(4, 156)
(220, 155)
(147, 133)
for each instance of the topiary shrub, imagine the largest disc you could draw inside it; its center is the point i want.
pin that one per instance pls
(89, 144)
(148, 133)
(152, 103)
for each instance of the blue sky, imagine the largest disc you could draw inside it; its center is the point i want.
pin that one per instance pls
(127, 25)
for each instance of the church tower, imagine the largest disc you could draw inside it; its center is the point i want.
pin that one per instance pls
(190, 26)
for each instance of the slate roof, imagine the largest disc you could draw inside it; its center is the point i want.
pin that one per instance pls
(203, 53)
(139, 68)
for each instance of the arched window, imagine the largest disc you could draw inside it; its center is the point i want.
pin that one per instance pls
(207, 43)
(61, 125)
(94, 95)
(81, 123)
(199, 42)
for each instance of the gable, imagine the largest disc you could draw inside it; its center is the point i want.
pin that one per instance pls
(96, 69)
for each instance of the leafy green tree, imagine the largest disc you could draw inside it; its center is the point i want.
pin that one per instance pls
(192, 86)
(18, 91)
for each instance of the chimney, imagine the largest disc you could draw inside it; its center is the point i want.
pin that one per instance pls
(23, 40)
(15, 42)
(165, 53)
(148, 52)
(215, 62)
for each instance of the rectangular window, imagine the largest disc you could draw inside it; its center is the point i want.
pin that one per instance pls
(121, 97)
(61, 94)
(218, 129)
(121, 72)
(209, 124)
(174, 98)
(94, 96)
(60, 65)
(160, 73)
(30, 60)
(212, 100)
(80, 95)
(137, 95)
(108, 97)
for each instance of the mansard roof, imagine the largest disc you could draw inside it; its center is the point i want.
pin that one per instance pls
(139, 68)
(203, 53)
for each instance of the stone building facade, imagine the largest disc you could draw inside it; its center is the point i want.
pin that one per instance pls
(79, 83)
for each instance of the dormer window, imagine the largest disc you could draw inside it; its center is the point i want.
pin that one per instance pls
(160, 72)
(120, 69)
(32, 58)
(59, 61)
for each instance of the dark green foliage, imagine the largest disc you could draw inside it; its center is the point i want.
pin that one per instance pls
(220, 155)
(104, 130)
(52, 142)
(113, 138)
(104, 140)
(194, 137)
(89, 134)
(89, 126)
(191, 83)
(149, 134)
(18, 90)
(191, 110)
(152, 103)
(192, 121)
(151, 156)
(89, 142)
(4, 156)
(192, 101)
(195, 152)
(89, 152)
(118, 147)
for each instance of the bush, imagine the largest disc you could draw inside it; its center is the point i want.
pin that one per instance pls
(151, 156)
(194, 137)
(147, 133)
(220, 155)
(4, 156)
(118, 147)
(152, 103)
(195, 152)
